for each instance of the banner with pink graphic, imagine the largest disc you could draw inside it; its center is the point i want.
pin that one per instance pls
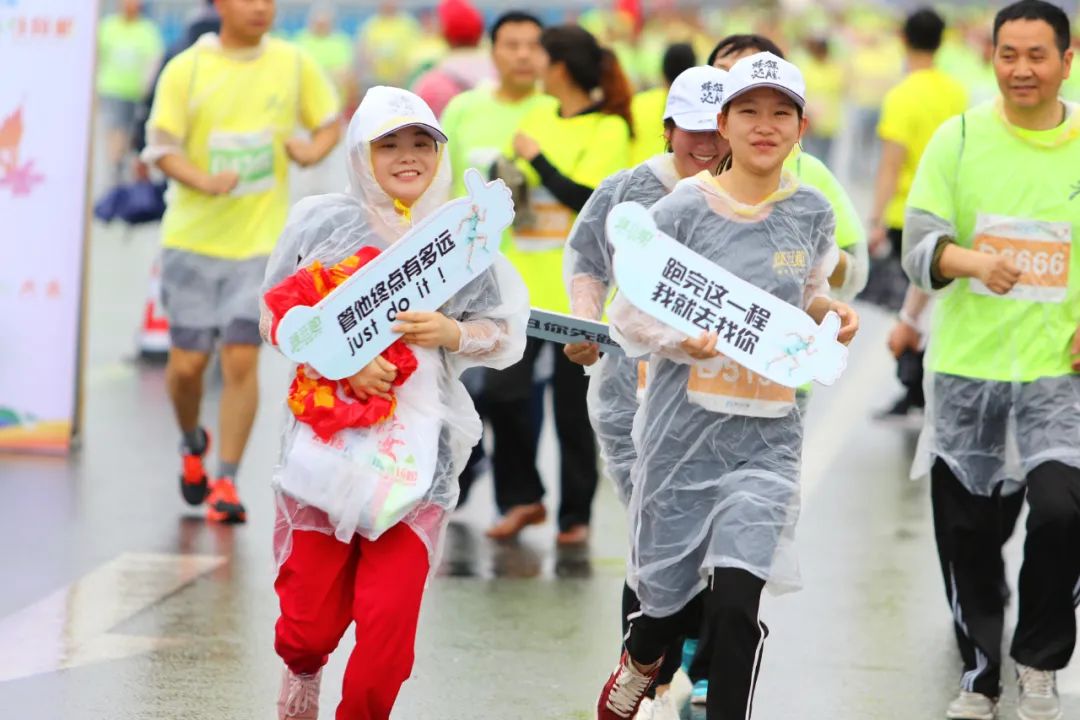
(47, 50)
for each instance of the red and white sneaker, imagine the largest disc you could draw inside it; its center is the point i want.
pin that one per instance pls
(625, 690)
(299, 699)
(193, 481)
(223, 504)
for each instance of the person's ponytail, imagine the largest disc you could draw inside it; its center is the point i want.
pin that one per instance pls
(616, 88)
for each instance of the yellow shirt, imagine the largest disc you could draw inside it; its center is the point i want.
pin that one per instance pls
(824, 95)
(647, 109)
(912, 111)
(585, 148)
(387, 41)
(232, 111)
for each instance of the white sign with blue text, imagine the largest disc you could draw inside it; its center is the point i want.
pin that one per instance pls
(567, 329)
(344, 332)
(691, 294)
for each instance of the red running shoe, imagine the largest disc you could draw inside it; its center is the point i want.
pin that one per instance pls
(223, 505)
(625, 690)
(193, 481)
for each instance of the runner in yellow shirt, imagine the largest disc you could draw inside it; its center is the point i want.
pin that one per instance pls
(912, 111)
(992, 224)
(222, 129)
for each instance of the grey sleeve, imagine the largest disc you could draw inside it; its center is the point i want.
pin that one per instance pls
(925, 235)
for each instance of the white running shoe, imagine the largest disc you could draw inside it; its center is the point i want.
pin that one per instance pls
(664, 708)
(645, 712)
(972, 706)
(1038, 694)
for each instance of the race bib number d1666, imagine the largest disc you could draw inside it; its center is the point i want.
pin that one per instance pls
(1040, 250)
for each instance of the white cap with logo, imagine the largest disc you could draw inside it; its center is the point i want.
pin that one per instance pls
(765, 70)
(387, 109)
(695, 97)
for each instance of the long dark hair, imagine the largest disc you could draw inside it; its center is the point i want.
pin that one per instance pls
(590, 67)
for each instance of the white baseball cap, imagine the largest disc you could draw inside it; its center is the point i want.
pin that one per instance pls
(765, 70)
(695, 98)
(387, 109)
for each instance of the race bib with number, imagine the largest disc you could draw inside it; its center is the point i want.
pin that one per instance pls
(734, 390)
(249, 155)
(1041, 250)
(544, 225)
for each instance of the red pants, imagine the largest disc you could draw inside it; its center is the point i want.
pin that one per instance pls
(326, 584)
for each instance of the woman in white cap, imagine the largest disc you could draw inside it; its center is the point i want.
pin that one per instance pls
(331, 571)
(716, 494)
(693, 147)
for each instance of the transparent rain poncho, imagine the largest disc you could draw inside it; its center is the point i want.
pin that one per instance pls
(712, 489)
(492, 313)
(1001, 395)
(589, 280)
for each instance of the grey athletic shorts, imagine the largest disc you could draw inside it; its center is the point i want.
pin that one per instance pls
(208, 298)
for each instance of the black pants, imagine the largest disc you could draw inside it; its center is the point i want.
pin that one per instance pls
(886, 284)
(970, 531)
(509, 403)
(673, 653)
(727, 614)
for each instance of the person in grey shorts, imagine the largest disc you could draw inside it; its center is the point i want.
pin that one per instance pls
(222, 128)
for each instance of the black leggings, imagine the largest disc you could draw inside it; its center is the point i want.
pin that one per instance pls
(673, 653)
(732, 638)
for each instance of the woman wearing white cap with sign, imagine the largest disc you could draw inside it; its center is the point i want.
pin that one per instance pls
(716, 491)
(694, 146)
(333, 569)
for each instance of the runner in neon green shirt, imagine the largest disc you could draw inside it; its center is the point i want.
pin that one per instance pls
(222, 129)
(483, 121)
(992, 224)
(129, 53)
(331, 49)
(562, 154)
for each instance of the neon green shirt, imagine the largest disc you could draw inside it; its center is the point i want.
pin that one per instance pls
(647, 109)
(332, 52)
(912, 111)
(814, 173)
(128, 55)
(233, 112)
(482, 127)
(980, 165)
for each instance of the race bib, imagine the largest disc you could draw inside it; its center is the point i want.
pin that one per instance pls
(642, 379)
(734, 390)
(249, 155)
(1041, 250)
(544, 224)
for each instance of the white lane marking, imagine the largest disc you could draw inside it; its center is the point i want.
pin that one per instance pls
(70, 627)
(836, 426)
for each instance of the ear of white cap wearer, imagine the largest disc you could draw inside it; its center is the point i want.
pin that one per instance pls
(765, 70)
(387, 109)
(695, 98)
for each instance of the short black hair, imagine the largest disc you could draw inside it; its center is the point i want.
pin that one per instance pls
(514, 16)
(677, 59)
(923, 30)
(1052, 15)
(733, 44)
